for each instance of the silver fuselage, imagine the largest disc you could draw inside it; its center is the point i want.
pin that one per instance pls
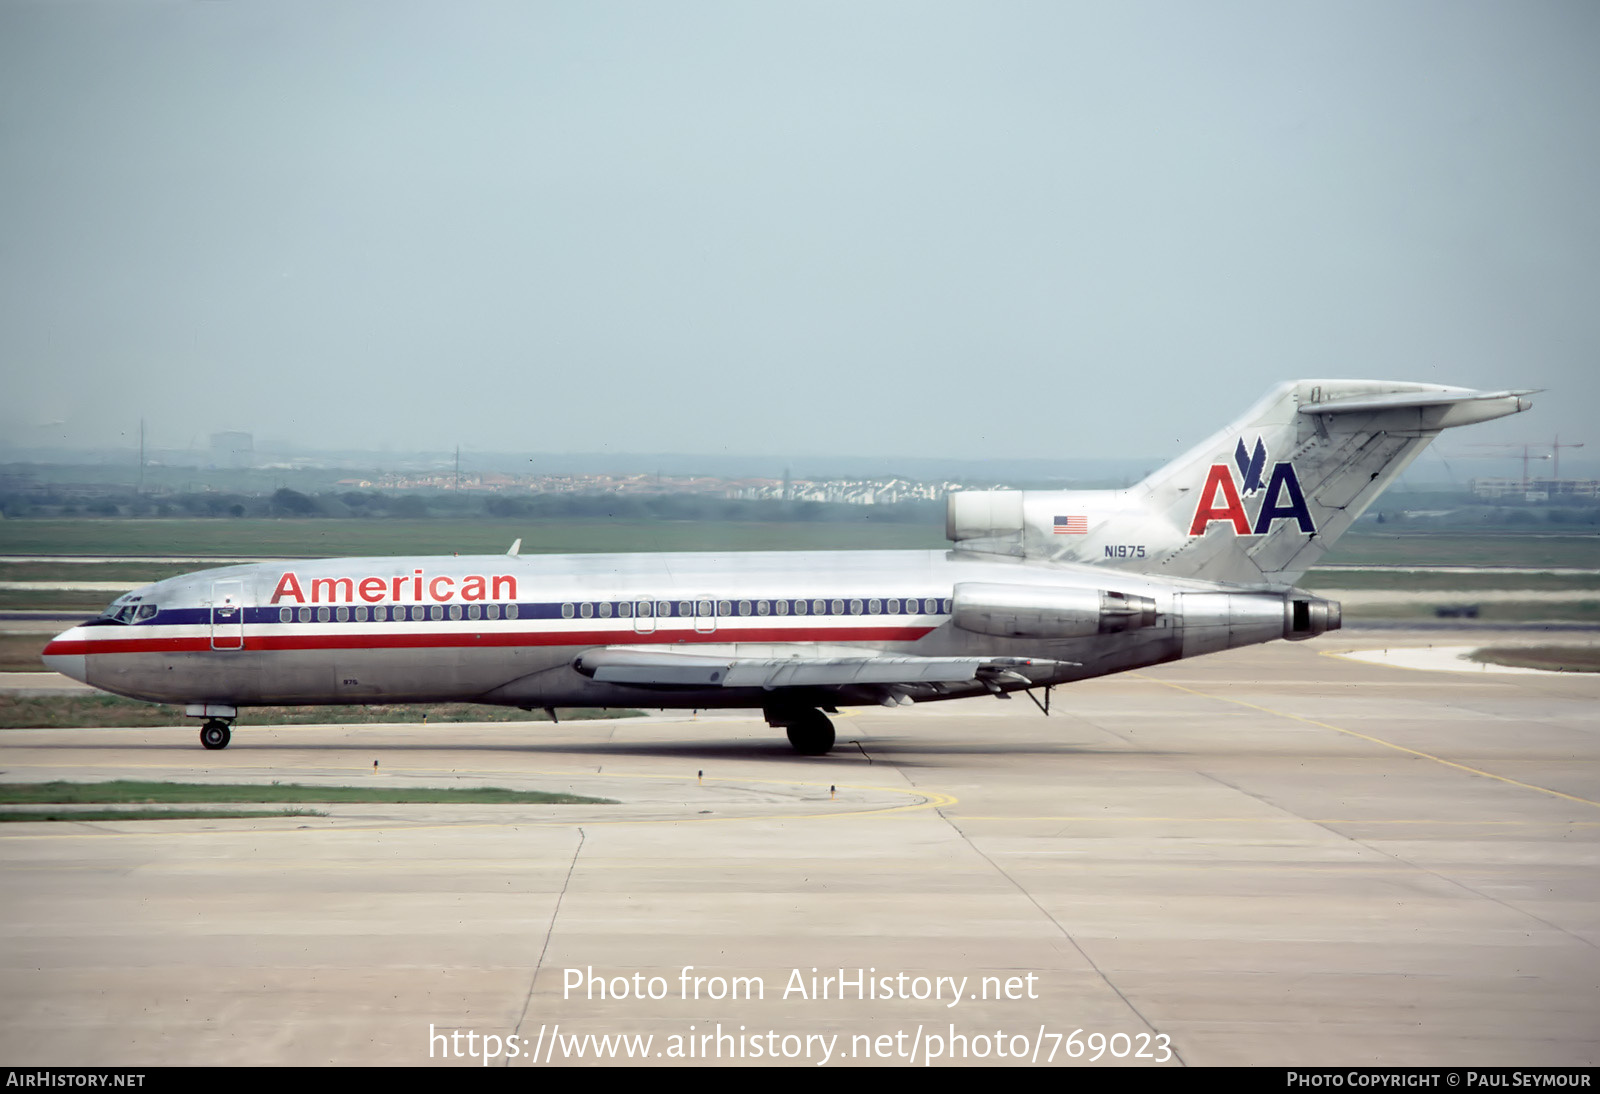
(507, 630)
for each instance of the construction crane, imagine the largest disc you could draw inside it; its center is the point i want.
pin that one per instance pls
(1527, 454)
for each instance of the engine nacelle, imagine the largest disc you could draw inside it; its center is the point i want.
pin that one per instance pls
(1309, 616)
(983, 514)
(1043, 611)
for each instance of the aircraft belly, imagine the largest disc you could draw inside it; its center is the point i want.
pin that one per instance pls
(425, 674)
(277, 677)
(177, 678)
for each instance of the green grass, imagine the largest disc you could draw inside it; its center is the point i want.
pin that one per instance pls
(1510, 611)
(65, 600)
(312, 538)
(1552, 658)
(1412, 581)
(1465, 549)
(132, 572)
(25, 815)
(20, 652)
(103, 711)
(151, 793)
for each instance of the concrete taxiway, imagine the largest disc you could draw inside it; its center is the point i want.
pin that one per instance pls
(1270, 856)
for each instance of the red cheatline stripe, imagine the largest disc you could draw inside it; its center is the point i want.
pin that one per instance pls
(202, 643)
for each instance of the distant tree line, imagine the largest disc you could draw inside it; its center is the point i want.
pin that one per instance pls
(44, 502)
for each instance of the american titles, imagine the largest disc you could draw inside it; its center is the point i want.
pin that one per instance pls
(414, 587)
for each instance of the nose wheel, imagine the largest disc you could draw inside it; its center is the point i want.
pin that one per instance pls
(215, 734)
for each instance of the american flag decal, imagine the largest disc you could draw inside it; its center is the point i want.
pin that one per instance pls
(1072, 526)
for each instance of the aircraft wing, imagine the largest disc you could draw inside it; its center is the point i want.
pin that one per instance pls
(665, 668)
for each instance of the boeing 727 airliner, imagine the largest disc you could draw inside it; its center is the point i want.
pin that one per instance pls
(1039, 588)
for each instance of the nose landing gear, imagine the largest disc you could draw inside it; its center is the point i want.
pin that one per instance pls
(215, 734)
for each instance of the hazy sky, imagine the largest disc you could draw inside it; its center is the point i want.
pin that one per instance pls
(974, 229)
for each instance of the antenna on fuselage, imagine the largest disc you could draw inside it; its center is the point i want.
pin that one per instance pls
(516, 548)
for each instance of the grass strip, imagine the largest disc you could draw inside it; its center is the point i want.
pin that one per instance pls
(1502, 611)
(1550, 658)
(55, 600)
(20, 652)
(153, 793)
(1455, 548)
(1463, 583)
(23, 815)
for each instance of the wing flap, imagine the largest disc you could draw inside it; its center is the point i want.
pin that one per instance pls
(668, 669)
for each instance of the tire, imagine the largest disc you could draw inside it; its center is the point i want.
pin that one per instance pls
(811, 734)
(215, 734)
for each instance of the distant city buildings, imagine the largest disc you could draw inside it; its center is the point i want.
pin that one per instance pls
(885, 491)
(1536, 490)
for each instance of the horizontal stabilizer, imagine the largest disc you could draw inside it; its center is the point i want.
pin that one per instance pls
(1406, 399)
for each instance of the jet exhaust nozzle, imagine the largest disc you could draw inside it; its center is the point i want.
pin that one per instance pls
(1309, 616)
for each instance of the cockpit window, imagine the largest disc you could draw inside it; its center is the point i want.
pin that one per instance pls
(125, 609)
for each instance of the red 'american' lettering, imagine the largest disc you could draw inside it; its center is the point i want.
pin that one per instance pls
(415, 586)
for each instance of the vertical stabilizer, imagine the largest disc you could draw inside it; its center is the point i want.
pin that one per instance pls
(1260, 501)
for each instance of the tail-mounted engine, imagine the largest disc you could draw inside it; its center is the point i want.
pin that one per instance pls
(1035, 611)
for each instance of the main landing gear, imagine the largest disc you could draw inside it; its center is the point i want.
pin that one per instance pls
(215, 734)
(809, 731)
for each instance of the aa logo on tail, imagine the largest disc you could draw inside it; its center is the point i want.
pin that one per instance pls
(1222, 497)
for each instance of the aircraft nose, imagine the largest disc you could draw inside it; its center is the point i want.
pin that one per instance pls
(59, 656)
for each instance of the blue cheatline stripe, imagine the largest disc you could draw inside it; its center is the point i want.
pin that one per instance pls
(834, 607)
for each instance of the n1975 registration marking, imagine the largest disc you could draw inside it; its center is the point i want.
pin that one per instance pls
(1124, 550)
